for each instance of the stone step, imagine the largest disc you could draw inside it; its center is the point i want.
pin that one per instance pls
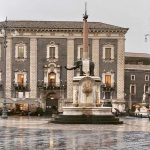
(84, 119)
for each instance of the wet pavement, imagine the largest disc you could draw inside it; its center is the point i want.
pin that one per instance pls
(36, 133)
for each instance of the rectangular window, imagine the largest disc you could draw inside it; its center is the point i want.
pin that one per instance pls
(146, 77)
(132, 89)
(20, 79)
(107, 53)
(132, 77)
(51, 52)
(146, 89)
(108, 80)
(20, 51)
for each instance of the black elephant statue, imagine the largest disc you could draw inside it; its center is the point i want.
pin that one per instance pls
(79, 64)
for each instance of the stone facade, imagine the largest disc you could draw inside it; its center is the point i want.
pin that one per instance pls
(137, 73)
(38, 38)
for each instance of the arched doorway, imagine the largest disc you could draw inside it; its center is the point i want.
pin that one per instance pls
(51, 103)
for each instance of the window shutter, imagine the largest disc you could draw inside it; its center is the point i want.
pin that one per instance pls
(56, 51)
(103, 53)
(16, 77)
(112, 79)
(103, 77)
(25, 51)
(25, 78)
(112, 53)
(16, 51)
(47, 56)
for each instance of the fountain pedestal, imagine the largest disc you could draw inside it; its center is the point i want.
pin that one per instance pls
(86, 97)
(86, 107)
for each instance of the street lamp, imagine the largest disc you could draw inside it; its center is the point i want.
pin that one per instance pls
(146, 37)
(4, 32)
(149, 95)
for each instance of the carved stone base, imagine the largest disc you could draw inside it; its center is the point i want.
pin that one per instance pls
(75, 105)
(87, 111)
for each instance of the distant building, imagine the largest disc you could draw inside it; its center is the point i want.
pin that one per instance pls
(137, 78)
(37, 51)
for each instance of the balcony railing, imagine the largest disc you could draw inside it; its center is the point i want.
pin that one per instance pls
(51, 86)
(21, 87)
(108, 87)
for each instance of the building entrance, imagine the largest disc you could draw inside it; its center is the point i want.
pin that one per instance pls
(51, 106)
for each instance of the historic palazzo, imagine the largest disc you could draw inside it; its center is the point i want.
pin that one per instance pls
(33, 66)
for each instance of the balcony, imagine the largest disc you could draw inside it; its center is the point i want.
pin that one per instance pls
(21, 87)
(51, 86)
(108, 87)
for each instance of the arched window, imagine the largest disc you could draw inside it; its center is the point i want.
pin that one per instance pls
(51, 79)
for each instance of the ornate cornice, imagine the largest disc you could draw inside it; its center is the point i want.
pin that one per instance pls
(61, 26)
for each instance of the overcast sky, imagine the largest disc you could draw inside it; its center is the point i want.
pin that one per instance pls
(132, 14)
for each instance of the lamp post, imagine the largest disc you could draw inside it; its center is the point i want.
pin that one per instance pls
(4, 32)
(149, 95)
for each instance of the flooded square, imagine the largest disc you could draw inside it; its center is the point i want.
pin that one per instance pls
(23, 133)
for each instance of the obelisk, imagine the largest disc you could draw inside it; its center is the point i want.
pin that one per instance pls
(85, 35)
(85, 59)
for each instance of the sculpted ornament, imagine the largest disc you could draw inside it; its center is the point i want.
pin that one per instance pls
(87, 87)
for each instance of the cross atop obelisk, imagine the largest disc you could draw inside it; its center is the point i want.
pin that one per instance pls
(85, 34)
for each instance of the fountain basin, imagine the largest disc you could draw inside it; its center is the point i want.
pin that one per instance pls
(87, 111)
(86, 115)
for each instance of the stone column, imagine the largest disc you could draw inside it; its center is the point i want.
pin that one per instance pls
(70, 73)
(95, 55)
(8, 68)
(33, 68)
(120, 69)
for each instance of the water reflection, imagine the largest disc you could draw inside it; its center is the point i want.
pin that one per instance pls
(73, 137)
